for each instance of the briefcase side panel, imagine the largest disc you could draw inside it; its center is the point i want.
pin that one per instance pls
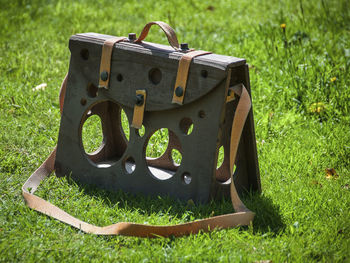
(246, 175)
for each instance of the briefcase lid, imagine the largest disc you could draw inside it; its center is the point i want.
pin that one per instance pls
(132, 64)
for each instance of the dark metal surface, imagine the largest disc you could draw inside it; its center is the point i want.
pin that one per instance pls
(179, 91)
(132, 36)
(104, 75)
(184, 46)
(139, 99)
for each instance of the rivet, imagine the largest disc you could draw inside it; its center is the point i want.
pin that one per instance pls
(139, 99)
(132, 37)
(179, 91)
(184, 46)
(104, 75)
(83, 101)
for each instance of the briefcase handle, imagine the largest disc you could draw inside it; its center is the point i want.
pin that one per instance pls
(169, 32)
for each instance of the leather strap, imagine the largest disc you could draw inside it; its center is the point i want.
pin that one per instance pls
(230, 95)
(169, 32)
(242, 216)
(139, 109)
(105, 64)
(241, 114)
(63, 92)
(182, 74)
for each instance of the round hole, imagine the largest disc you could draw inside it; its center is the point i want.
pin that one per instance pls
(125, 124)
(186, 178)
(84, 53)
(129, 165)
(228, 181)
(155, 75)
(204, 73)
(92, 90)
(83, 101)
(201, 114)
(157, 143)
(220, 157)
(92, 134)
(120, 77)
(162, 159)
(101, 135)
(141, 132)
(176, 156)
(186, 126)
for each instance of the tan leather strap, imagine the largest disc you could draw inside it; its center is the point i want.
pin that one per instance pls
(63, 92)
(105, 64)
(182, 75)
(169, 32)
(241, 114)
(230, 95)
(139, 109)
(242, 216)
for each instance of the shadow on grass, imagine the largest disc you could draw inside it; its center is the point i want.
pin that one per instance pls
(267, 217)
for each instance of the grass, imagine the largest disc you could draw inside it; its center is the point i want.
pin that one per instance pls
(301, 97)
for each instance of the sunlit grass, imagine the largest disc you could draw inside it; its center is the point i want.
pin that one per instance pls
(299, 58)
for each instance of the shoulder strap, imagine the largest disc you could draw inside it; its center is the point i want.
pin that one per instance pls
(242, 216)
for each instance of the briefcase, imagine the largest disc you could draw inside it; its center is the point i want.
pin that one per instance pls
(202, 101)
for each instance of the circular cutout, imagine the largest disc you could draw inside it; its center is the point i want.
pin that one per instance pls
(157, 143)
(129, 165)
(155, 75)
(84, 53)
(228, 181)
(176, 156)
(186, 178)
(141, 132)
(162, 159)
(101, 135)
(125, 124)
(120, 77)
(92, 135)
(221, 156)
(92, 90)
(204, 73)
(201, 114)
(83, 101)
(186, 126)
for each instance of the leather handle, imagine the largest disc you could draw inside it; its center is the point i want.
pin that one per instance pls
(169, 32)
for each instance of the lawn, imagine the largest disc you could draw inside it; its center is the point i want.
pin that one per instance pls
(299, 57)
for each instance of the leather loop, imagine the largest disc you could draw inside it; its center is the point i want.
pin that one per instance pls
(182, 74)
(169, 32)
(105, 64)
(242, 216)
(139, 110)
(230, 95)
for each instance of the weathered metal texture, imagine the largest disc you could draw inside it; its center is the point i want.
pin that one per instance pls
(122, 164)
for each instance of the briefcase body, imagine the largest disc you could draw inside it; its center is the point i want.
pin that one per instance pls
(197, 128)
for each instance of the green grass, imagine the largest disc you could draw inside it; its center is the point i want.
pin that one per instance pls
(301, 216)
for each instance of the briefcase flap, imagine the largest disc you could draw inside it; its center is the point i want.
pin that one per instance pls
(146, 66)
